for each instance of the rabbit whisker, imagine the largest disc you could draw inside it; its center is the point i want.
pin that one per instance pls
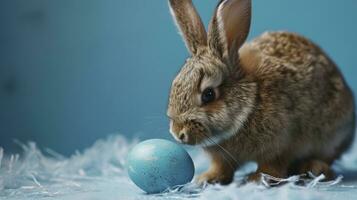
(209, 139)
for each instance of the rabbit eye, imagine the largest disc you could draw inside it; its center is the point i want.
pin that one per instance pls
(208, 95)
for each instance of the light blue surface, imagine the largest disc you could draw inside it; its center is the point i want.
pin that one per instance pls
(99, 173)
(156, 165)
(73, 71)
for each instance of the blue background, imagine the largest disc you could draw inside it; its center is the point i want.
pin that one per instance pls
(75, 71)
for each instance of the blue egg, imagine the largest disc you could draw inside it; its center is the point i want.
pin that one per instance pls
(156, 165)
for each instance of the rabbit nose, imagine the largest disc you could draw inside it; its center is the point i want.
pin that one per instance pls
(183, 136)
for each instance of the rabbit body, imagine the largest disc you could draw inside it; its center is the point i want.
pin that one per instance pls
(303, 111)
(281, 101)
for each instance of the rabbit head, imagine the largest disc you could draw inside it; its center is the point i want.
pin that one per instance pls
(211, 97)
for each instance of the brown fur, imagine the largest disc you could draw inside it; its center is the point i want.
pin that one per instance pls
(283, 103)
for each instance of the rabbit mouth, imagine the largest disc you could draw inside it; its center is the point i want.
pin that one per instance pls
(192, 132)
(203, 137)
(192, 138)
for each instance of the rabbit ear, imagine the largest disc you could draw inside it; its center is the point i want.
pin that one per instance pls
(229, 28)
(190, 24)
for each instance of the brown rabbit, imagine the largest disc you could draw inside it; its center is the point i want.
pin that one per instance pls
(279, 100)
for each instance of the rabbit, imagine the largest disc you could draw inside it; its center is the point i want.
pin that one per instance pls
(277, 100)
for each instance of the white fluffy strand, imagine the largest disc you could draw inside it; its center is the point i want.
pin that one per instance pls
(99, 173)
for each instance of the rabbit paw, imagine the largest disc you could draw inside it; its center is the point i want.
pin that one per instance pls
(213, 177)
(317, 167)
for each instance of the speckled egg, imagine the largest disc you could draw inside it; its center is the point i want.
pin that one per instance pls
(156, 165)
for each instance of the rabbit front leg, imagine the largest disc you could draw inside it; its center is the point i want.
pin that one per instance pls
(221, 170)
(276, 168)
